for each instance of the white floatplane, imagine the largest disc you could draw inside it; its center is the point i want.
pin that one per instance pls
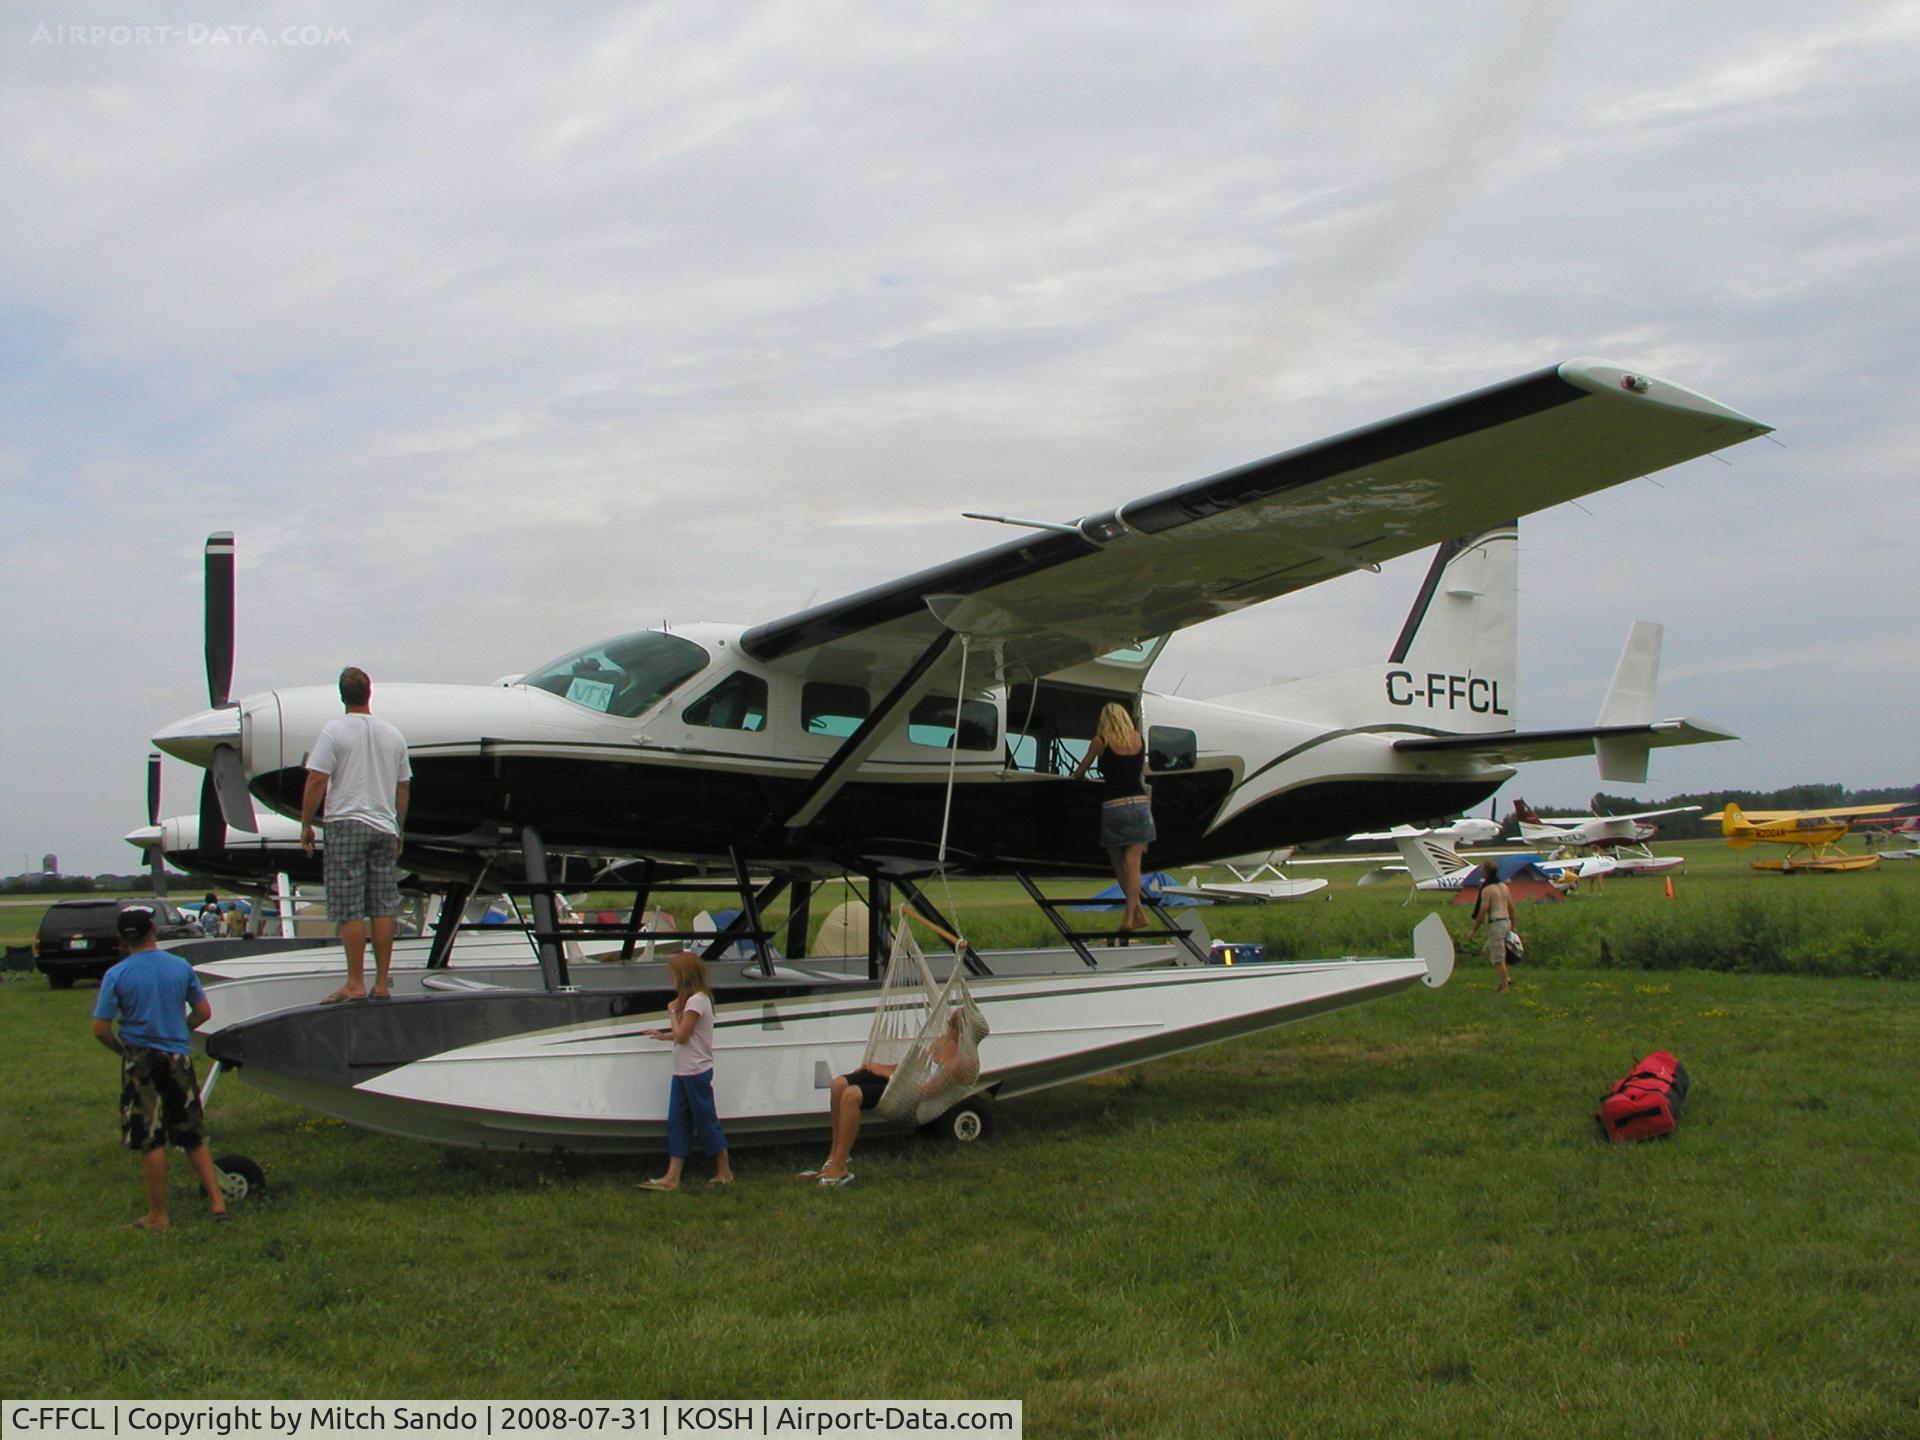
(928, 726)
(1621, 837)
(1257, 880)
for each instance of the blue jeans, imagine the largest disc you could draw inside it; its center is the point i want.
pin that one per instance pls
(689, 1108)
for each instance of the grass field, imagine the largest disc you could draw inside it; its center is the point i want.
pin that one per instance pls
(1397, 1220)
(1723, 916)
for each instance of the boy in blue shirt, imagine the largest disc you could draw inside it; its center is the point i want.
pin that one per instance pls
(151, 994)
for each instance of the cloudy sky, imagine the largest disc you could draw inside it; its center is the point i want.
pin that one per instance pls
(492, 330)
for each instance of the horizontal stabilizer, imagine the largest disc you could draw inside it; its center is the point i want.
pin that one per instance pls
(1517, 746)
(1623, 759)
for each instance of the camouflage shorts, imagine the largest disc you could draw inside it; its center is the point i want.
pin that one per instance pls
(159, 1100)
(360, 872)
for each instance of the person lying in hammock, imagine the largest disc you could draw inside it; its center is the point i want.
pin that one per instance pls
(860, 1090)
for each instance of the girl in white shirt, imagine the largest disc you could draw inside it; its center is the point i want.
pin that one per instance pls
(690, 1104)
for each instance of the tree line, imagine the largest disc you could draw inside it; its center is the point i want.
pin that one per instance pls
(40, 883)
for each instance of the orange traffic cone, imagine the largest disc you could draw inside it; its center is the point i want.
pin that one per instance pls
(1669, 887)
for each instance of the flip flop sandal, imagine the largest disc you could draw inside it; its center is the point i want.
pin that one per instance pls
(655, 1185)
(340, 997)
(835, 1181)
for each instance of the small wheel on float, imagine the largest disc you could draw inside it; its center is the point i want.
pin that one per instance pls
(968, 1121)
(239, 1177)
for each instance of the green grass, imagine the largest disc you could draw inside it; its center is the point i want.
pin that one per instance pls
(1722, 916)
(1397, 1220)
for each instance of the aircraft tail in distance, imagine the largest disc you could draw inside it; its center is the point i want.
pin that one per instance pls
(1736, 828)
(1629, 703)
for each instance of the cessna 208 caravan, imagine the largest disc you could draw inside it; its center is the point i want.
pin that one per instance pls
(829, 736)
(931, 722)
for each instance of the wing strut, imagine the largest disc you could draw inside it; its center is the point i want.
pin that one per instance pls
(855, 749)
(546, 921)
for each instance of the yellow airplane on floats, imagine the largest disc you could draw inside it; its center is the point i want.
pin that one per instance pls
(1812, 834)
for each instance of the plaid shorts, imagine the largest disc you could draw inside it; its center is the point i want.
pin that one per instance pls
(1497, 932)
(159, 1100)
(360, 866)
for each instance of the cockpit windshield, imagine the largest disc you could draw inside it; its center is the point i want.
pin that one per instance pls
(624, 677)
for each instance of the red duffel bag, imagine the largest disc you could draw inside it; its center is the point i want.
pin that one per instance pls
(1644, 1104)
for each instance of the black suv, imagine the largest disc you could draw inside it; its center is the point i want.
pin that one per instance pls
(79, 941)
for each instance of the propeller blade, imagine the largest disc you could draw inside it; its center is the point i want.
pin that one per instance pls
(156, 857)
(230, 785)
(213, 825)
(219, 617)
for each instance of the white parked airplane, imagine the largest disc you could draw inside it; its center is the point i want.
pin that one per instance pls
(1257, 879)
(827, 737)
(1623, 838)
(931, 722)
(1428, 857)
(1592, 831)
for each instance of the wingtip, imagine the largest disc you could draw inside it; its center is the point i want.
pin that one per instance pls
(1610, 377)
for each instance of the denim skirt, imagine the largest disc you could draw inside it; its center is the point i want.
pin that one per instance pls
(1126, 822)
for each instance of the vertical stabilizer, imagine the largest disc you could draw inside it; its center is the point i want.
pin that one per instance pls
(1429, 859)
(1463, 628)
(1452, 669)
(1630, 697)
(1630, 702)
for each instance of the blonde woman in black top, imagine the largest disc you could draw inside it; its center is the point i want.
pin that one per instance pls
(1126, 815)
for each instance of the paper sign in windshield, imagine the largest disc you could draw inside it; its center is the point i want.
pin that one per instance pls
(594, 694)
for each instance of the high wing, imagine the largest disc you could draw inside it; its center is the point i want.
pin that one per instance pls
(1575, 820)
(1836, 813)
(1166, 561)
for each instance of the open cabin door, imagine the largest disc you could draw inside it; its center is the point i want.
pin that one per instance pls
(1051, 722)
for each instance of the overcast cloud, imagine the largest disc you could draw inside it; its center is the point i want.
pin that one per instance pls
(494, 330)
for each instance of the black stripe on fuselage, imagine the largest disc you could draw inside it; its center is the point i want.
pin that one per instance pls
(1047, 825)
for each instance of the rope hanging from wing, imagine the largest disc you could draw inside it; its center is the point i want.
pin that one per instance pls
(929, 1032)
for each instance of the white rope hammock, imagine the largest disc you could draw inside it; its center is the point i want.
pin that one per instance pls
(930, 1033)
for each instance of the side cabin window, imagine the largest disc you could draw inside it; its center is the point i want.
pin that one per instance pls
(1049, 726)
(931, 723)
(738, 702)
(1171, 748)
(830, 709)
(625, 677)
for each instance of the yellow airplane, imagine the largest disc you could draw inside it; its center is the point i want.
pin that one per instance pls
(1812, 834)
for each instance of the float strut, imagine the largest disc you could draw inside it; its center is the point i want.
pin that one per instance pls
(546, 921)
(453, 907)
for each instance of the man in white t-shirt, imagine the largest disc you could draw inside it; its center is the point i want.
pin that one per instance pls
(358, 779)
